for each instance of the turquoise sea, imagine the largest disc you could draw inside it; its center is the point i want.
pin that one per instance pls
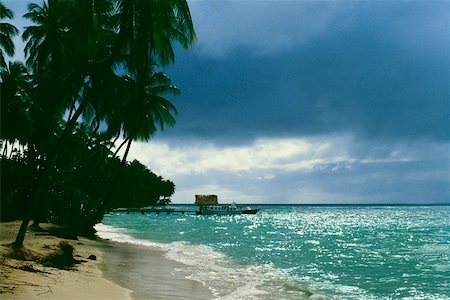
(303, 252)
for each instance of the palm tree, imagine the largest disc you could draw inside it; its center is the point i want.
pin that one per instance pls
(98, 58)
(145, 110)
(47, 38)
(149, 27)
(147, 31)
(7, 32)
(75, 46)
(92, 32)
(15, 122)
(48, 60)
(167, 190)
(59, 71)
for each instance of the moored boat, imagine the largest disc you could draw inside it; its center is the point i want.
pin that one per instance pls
(223, 209)
(209, 205)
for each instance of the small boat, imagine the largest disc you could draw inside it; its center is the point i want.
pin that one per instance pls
(223, 209)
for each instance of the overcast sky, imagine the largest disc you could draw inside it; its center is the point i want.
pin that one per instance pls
(310, 102)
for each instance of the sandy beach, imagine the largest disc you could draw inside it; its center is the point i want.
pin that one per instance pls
(28, 279)
(104, 270)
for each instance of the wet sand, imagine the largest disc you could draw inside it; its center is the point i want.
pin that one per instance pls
(149, 275)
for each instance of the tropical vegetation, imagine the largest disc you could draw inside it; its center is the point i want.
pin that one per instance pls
(92, 84)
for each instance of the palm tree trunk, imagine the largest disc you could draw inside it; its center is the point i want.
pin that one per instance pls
(97, 126)
(12, 149)
(73, 120)
(121, 145)
(23, 227)
(124, 158)
(71, 110)
(5, 150)
(114, 142)
(21, 234)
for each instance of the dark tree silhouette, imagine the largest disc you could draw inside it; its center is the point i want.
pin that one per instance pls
(93, 73)
(7, 32)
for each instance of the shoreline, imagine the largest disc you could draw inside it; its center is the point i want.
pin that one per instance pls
(113, 273)
(153, 277)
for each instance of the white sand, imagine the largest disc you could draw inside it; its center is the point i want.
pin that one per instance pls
(30, 280)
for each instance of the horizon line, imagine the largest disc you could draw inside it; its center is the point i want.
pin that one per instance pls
(334, 204)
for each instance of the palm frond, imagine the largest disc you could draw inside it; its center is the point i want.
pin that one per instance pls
(5, 13)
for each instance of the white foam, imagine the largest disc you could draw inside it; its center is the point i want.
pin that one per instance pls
(226, 279)
(117, 235)
(229, 280)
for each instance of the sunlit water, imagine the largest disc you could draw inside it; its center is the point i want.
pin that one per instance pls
(300, 252)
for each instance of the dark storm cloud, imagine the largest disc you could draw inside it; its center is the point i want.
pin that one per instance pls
(382, 74)
(364, 84)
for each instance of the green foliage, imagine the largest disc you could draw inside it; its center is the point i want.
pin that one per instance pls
(74, 193)
(92, 75)
(18, 180)
(7, 32)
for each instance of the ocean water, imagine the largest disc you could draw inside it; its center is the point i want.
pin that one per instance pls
(303, 252)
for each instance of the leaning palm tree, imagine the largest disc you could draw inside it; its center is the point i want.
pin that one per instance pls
(7, 32)
(147, 29)
(145, 39)
(145, 109)
(55, 82)
(96, 59)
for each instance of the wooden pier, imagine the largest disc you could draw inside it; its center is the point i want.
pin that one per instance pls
(157, 210)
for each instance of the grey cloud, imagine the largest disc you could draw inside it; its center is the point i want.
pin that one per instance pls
(377, 71)
(264, 27)
(424, 179)
(345, 81)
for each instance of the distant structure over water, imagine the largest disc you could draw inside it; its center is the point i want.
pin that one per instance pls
(201, 200)
(209, 205)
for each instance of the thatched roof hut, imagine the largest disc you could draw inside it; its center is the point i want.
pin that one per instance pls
(206, 200)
